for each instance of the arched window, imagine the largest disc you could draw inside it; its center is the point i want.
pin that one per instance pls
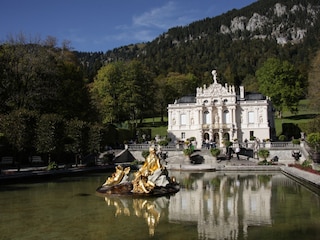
(226, 116)
(206, 117)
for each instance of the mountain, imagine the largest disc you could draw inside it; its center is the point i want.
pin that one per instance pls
(235, 43)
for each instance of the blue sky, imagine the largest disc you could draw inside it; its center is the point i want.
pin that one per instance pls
(101, 25)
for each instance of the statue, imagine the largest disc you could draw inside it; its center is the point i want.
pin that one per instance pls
(119, 176)
(152, 178)
(150, 174)
(214, 74)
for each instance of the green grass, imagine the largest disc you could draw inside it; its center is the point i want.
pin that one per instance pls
(304, 116)
(157, 127)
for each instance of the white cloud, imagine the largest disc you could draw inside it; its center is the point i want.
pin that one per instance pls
(150, 24)
(158, 17)
(164, 17)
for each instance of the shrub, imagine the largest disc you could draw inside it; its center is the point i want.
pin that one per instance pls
(307, 164)
(296, 141)
(163, 143)
(215, 152)
(264, 153)
(188, 151)
(264, 162)
(192, 139)
(52, 166)
(282, 138)
(227, 143)
(314, 140)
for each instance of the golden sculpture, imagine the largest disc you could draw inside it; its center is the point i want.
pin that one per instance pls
(151, 178)
(118, 176)
(149, 175)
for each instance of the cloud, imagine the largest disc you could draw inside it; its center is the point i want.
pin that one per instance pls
(157, 17)
(149, 24)
(152, 23)
(164, 17)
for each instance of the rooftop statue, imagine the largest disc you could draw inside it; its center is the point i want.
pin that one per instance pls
(214, 74)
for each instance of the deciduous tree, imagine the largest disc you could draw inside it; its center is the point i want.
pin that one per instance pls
(284, 84)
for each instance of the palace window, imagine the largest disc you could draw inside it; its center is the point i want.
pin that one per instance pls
(226, 116)
(251, 117)
(251, 135)
(206, 117)
(183, 135)
(183, 119)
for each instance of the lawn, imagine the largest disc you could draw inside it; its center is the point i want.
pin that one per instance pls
(304, 115)
(157, 127)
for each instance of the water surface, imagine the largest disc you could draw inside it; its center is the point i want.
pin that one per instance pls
(209, 206)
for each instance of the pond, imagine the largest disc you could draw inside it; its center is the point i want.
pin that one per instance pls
(210, 205)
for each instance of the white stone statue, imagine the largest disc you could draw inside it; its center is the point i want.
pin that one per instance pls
(214, 74)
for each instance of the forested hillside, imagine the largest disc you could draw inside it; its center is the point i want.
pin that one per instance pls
(236, 43)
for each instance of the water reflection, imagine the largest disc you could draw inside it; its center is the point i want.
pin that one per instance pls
(211, 205)
(146, 208)
(223, 203)
(222, 206)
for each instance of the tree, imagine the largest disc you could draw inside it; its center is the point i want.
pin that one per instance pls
(18, 127)
(137, 95)
(105, 92)
(182, 84)
(280, 81)
(76, 138)
(164, 94)
(50, 135)
(41, 77)
(94, 138)
(73, 98)
(314, 82)
(123, 91)
(26, 73)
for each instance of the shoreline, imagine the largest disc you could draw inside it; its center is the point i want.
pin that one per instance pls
(11, 176)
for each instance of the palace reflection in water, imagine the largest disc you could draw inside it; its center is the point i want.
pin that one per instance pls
(222, 206)
(209, 205)
(215, 203)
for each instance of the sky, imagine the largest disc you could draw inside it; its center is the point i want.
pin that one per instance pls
(102, 25)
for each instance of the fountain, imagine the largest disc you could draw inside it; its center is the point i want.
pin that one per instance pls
(152, 179)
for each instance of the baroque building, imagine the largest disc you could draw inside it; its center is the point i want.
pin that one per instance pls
(217, 113)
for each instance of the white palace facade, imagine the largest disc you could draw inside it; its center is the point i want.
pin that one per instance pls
(220, 113)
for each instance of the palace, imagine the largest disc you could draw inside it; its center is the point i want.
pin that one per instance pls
(218, 113)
